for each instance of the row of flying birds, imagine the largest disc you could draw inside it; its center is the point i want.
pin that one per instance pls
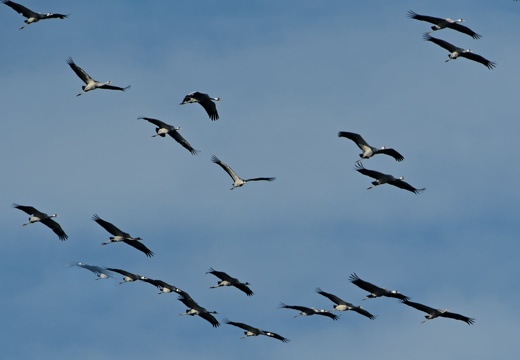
(438, 24)
(226, 280)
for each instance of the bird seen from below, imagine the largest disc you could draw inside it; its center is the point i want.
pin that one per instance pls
(386, 179)
(128, 276)
(195, 309)
(237, 181)
(121, 236)
(91, 84)
(434, 313)
(375, 291)
(163, 129)
(308, 311)
(456, 52)
(226, 280)
(440, 23)
(32, 16)
(252, 331)
(163, 286)
(205, 101)
(369, 151)
(100, 272)
(342, 305)
(38, 216)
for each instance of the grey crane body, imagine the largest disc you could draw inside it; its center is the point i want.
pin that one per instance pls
(456, 52)
(253, 331)
(375, 291)
(386, 179)
(342, 305)
(308, 311)
(90, 83)
(368, 150)
(195, 309)
(121, 236)
(434, 313)
(237, 181)
(227, 280)
(163, 129)
(100, 272)
(440, 23)
(45, 219)
(205, 101)
(32, 16)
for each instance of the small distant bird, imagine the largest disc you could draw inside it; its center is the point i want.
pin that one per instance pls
(342, 305)
(226, 280)
(98, 270)
(38, 216)
(163, 286)
(195, 309)
(205, 100)
(121, 236)
(440, 23)
(433, 313)
(455, 52)
(308, 311)
(163, 129)
(32, 16)
(91, 84)
(252, 331)
(386, 179)
(128, 276)
(369, 151)
(237, 181)
(376, 291)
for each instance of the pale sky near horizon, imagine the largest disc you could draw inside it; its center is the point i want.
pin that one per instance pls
(290, 75)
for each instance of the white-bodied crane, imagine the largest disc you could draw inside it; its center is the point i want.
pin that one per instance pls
(227, 280)
(205, 101)
(121, 236)
(32, 16)
(237, 181)
(456, 52)
(91, 84)
(38, 216)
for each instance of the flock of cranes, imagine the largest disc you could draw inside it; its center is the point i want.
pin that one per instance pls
(455, 51)
(208, 104)
(340, 305)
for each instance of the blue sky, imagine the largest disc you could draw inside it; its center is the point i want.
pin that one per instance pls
(290, 75)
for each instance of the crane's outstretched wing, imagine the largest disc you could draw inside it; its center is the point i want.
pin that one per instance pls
(358, 139)
(389, 151)
(451, 315)
(226, 168)
(181, 140)
(363, 312)
(463, 29)
(404, 185)
(335, 299)
(56, 228)
(21, 9)
(139, 246)
(441, 43)
(475, 57)
(112, 229)
(371, 173)
(365, 285)
(112, 87)
(79, 71)
(26, 209)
